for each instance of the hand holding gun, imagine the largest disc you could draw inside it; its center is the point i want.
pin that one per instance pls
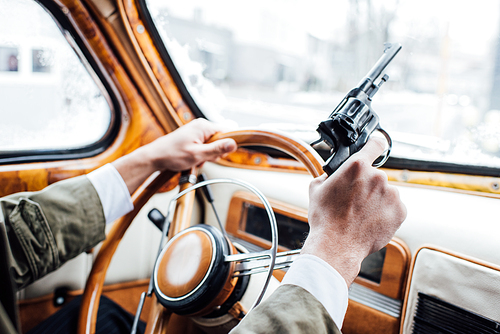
(352, 122)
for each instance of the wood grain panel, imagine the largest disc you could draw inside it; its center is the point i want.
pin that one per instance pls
(118, 34)
(471, 184)
(394, 273)
(151, 59)
(361, 319)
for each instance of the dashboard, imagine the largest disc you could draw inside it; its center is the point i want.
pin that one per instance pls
(440, 255)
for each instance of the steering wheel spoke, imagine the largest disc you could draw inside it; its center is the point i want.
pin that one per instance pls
(248, 256)
(255, 263)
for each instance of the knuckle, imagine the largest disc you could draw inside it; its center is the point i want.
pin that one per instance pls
(399, 208)
(218, 149)
(197, 121)
(380, 177)
(214, 151)
(357, 166)
(194, 158)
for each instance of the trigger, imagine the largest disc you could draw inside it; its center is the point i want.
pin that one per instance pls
(385, 156)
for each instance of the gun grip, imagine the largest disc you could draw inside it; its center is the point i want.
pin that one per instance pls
(337, 159)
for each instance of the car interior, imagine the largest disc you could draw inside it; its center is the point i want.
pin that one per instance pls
(84, 82)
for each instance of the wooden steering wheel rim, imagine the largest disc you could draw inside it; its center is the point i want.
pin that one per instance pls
(93, 289)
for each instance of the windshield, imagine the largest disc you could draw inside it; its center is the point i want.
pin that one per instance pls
(286, 65)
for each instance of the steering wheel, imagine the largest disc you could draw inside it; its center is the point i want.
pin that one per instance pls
(180, 235)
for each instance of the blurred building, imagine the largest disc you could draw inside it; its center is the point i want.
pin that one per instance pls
(306, 63)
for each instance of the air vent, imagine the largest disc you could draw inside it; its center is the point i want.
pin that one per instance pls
(436, 316)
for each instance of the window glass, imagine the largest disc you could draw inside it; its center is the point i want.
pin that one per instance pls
(48, 98)
(286, 65)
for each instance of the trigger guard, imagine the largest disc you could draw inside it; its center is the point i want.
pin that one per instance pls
(388, 151)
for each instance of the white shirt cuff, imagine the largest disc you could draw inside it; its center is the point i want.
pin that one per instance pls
(112, 191)
(323, 282)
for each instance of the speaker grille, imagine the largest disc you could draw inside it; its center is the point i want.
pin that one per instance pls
(436, 316)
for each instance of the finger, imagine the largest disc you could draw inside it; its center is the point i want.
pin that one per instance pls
(374, 148)
(201, 128)
(217, 149)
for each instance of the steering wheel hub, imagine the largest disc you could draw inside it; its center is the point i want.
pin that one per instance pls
(190, 274)
(185, 264)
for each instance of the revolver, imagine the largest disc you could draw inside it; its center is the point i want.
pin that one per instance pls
(351, 123)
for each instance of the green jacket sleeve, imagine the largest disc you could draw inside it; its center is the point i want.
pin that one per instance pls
(47, 228)
(290, 309)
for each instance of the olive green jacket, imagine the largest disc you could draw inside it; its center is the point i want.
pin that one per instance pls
(40, 231)
(289, 310)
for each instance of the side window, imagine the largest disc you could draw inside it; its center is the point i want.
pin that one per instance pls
(50, 99)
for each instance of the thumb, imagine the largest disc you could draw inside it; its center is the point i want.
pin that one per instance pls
(218, 148)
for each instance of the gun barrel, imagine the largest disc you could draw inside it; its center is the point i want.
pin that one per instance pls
(391, 49)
